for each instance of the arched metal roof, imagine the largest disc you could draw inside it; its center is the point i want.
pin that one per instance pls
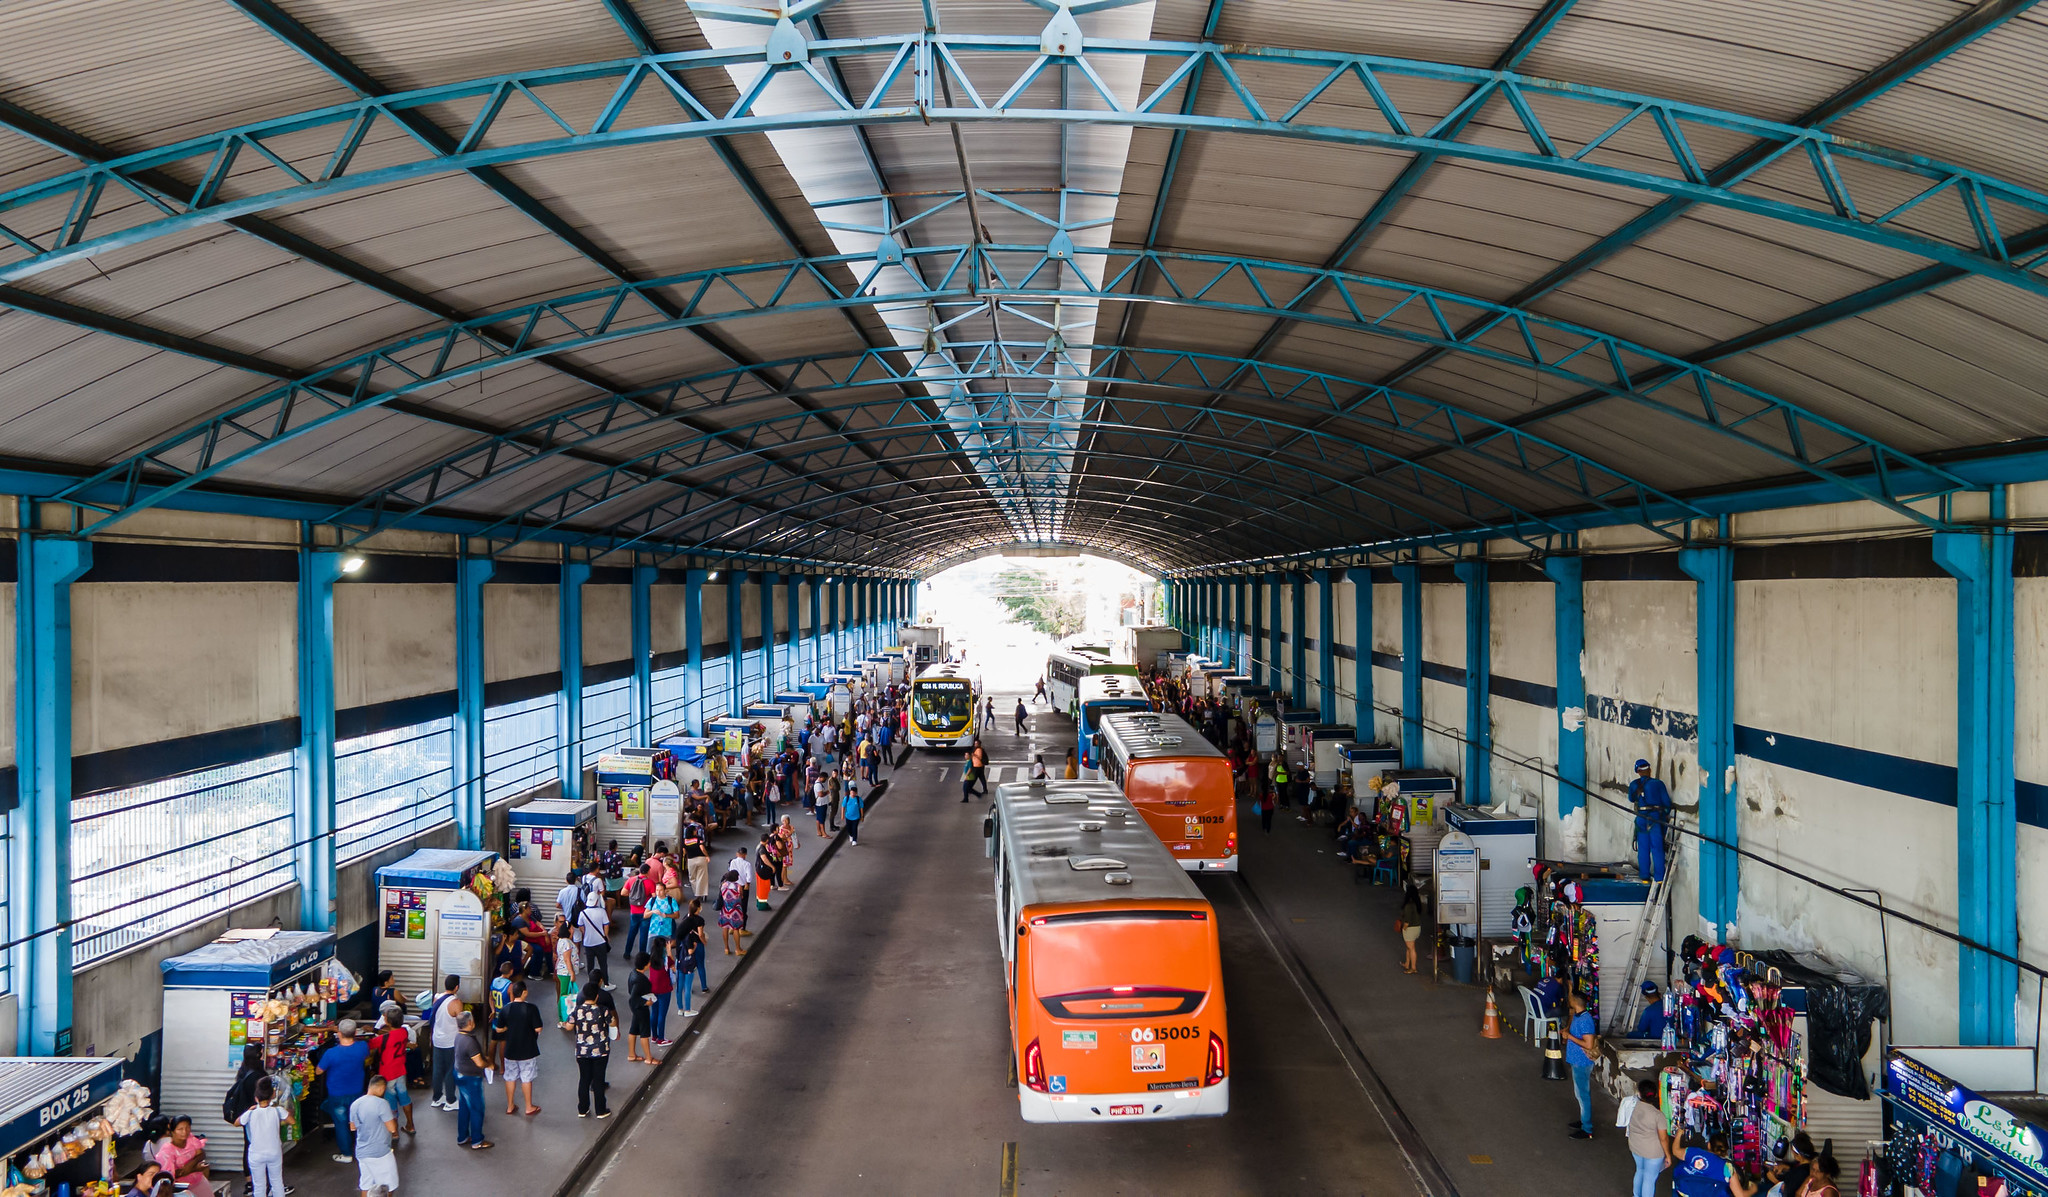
(886, 283)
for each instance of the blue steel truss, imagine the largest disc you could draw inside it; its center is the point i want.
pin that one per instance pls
(1807, 176)
(1019, 367)
(1012, 277)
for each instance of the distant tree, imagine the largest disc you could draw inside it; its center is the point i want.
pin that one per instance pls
(1039, 602)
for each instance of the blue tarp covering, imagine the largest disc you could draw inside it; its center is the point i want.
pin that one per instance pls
(249, 963)
(687, 749)
(551, 812)
(433, 868)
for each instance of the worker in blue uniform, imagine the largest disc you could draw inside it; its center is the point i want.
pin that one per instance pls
(1650, 1024)
(1653, 808)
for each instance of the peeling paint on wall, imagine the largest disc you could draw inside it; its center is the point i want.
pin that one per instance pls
(1572, 718)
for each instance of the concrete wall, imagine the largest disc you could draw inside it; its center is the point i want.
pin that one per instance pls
(2030, 766)
(522, 630)
(665, 618)
(154, 661)
(392, 641)
(607, 624)
(118, 1001)
(1443, 704)
(1523, 646)
(1386, 682)
(7, 675)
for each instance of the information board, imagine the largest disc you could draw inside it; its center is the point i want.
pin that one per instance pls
(1921, 1092)
(1457, 879)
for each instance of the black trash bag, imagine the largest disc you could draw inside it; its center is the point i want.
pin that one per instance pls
(1838, 1018)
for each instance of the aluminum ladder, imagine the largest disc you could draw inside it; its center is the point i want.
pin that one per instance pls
(1648, 927)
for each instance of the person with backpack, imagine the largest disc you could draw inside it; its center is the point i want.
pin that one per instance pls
(387, 1056)
(441, 1017)
(594, 935)
(242, 1094)
(639, 888)
(566, 968)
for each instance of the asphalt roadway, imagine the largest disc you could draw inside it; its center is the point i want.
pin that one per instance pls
(865, 1048)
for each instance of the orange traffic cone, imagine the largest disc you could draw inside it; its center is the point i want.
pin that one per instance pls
(1490, 1029)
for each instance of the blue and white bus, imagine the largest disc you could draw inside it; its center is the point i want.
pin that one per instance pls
(1105, 694)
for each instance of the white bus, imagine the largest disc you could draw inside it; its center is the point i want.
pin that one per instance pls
(1065, 668)
(945, 707)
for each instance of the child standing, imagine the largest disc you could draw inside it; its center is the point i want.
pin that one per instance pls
(264, 1124)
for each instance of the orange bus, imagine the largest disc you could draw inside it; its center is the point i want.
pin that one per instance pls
(1179, 782)
(1112, 960)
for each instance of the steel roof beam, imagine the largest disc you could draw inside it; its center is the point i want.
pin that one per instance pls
(666, 518)
(590, 492)
(1964, 29)
(286, 28)
(1576, 477)
(1862, 182)
(1587, 357)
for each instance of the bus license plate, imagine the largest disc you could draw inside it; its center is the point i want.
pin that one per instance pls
(1121, 1111)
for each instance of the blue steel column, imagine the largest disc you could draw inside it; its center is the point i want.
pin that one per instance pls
(643, 654)
(1361, 673)
(1212, 621)
(1326, 644)
(1720, 882)
(693, 652)
(470, 575)
(1568, 596)
(39, 854)
(1254, 618)
(1298, 658)
(817, 636)
(792, 658)
(1233, 618)
(1986, 818)
(735, 641)
(770, 583)
(1276, 654)
(569, 718)
(313, 797)
(1409, 575)
(1478, 682)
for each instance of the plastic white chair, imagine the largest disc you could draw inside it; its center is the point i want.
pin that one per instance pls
(1535, 1023)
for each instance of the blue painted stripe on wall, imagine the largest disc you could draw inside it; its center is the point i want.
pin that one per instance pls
(1386, 660)
(1536, 694)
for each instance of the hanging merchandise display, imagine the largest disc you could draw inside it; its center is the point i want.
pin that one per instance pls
(1743, 1075)
(257, 987)
(1947, 1139)
(59, 1123)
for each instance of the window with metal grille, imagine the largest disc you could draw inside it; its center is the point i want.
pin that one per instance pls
(718, 687)
(671, 696)
(520, 739)
(607, 718)
(154, 858)
(391, 786)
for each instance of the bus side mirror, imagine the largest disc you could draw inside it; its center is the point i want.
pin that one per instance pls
(988, 828)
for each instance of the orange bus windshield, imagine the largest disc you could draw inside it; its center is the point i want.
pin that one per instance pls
(1098, 953)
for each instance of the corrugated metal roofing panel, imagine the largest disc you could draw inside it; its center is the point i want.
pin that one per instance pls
(1770, 58)
(136, 76)
(1469, 32)
(407, 44)
(1985, 106)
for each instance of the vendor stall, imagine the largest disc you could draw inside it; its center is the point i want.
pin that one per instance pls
(547, 838)
(622, 780)
(58, 1119)
(275, 989)
(1366, 763)
(1506, 849)
(1572, 918)
(731, 732)
(433, 904)
(771, 718)
(1945, 1136)
(798, 705)
(1325, 758)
